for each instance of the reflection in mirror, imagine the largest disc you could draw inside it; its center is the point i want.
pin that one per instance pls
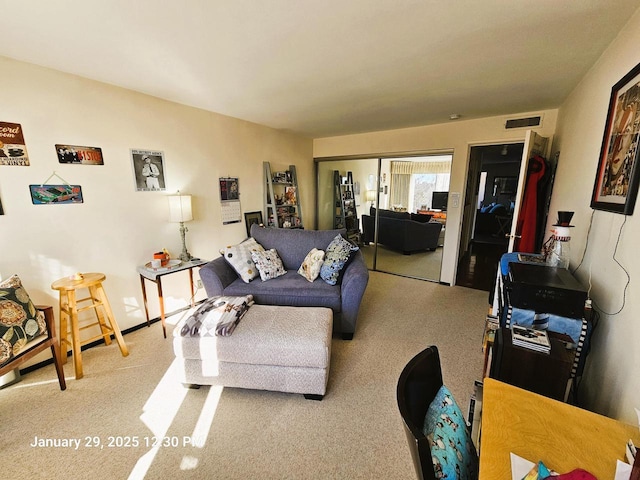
(405, 196)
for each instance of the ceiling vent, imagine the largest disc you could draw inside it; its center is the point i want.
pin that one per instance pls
(523, 122)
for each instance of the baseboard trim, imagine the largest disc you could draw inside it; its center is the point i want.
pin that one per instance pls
(44, 363)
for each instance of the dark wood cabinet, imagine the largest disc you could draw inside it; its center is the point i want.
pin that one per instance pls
(545, 373)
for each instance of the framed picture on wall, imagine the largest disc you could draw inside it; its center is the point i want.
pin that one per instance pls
(250, 218)
(616, 183)
(148, 169)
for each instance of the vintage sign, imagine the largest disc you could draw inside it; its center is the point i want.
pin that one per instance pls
(50, 194)
(13, 150)
(79, 155)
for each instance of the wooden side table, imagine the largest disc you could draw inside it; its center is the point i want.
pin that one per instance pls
(69, 310)
(155, 276)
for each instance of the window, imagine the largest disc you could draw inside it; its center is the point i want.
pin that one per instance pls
(423, 186)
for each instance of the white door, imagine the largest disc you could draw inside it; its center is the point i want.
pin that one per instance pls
(534, 144)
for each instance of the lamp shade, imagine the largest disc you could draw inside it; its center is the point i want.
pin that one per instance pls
(180, 208)
(370, 195)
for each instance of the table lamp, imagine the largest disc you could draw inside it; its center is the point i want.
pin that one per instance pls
(180, 212)
(370, 196)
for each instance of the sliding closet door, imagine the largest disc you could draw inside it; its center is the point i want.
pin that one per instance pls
(362, 190)
(401, 209)
(412, 215)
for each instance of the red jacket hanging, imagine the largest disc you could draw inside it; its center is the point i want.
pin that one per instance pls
(527, 218)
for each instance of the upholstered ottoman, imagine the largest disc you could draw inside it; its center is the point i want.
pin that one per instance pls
(284, 349)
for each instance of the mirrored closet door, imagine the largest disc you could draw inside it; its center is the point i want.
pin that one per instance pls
(394, 208)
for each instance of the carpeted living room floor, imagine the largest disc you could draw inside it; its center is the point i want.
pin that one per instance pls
(355, 432)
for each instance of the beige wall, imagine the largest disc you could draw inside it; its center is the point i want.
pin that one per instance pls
(117, 228)
(456, 136)
(612, 381)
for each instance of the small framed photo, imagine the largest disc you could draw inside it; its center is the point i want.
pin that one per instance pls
(148, 169)
(616, 184)
(250, 218)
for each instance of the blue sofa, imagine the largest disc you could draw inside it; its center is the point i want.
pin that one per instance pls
(292, 289)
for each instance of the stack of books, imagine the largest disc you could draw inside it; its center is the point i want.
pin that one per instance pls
(537, 340)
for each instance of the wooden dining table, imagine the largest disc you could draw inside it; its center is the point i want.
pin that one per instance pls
(538, 428)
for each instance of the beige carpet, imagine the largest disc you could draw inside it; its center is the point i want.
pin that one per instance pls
(354, 433)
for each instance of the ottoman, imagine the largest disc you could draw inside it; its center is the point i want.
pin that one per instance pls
(284, 349)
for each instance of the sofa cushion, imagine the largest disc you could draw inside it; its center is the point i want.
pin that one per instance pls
(239, 257)
(268, 263)
(290, 289)
(337, 255)
(310, 268)
(293, 244)
(421, 217)
(20, 322)
(390, 214)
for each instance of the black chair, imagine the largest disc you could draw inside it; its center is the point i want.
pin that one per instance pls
(418, 385)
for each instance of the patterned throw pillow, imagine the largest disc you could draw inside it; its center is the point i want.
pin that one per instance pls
(269, 264)
(310, 268)
(338, 254)
(239, 257)
(452, 451)
(20, 322)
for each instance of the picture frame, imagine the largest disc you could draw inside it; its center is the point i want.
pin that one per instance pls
(148, 170)
(505, 185)
(616, 184)
(250, 218)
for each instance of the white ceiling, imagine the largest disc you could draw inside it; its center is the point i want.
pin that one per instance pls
(324, 67)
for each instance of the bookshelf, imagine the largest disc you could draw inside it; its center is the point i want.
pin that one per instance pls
(346, 215)
(281, 198)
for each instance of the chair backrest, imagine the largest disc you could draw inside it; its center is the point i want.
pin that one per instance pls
(439, 440)
(418, 385)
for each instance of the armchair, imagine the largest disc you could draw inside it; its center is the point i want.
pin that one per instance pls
(25, 329)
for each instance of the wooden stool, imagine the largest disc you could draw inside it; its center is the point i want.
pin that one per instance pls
(69, 314)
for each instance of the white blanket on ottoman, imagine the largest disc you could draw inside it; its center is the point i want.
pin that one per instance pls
(216, 316)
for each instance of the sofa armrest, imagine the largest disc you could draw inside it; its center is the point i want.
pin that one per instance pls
(354, 283)
(216, 276)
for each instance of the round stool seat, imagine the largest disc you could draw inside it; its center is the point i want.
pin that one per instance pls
(70, 283)
(69, 310)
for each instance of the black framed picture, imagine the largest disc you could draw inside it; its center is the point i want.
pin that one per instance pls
(616, 184)
(250, 218)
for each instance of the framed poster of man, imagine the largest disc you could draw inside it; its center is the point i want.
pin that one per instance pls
(616, 184)
(148, 170)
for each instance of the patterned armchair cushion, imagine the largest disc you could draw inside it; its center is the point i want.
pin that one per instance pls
(452, 450)
(20, 322)
(268, 263)
(338, 254)
(239, 257)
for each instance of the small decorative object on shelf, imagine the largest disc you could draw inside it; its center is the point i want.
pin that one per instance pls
(282, 202)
